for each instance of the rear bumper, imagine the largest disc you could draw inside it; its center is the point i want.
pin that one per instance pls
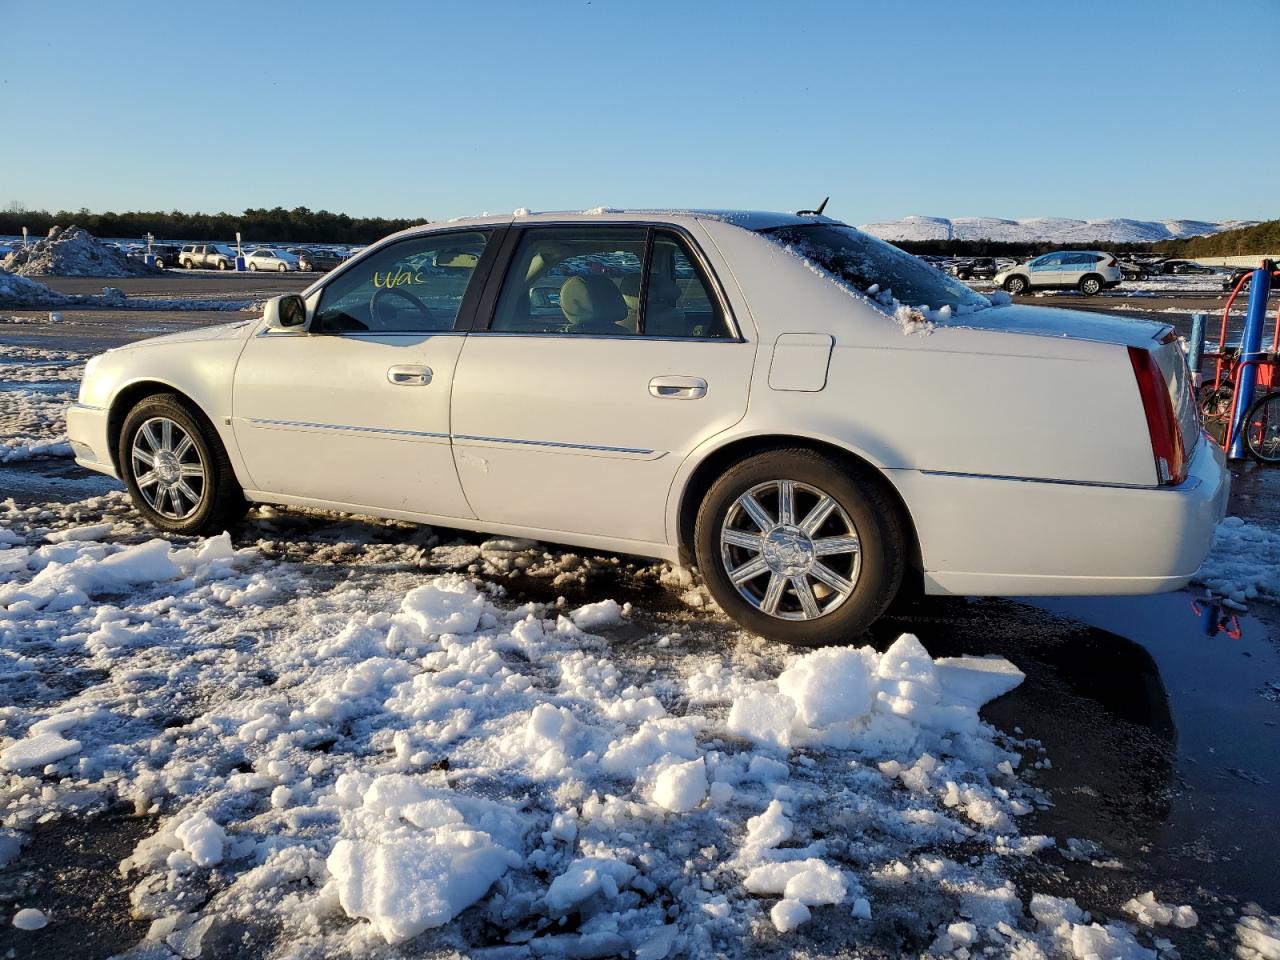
(989, 536)
(87, 431)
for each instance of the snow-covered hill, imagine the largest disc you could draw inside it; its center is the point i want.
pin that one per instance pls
(1047, 229)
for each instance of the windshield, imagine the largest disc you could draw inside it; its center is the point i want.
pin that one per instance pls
(877, 268)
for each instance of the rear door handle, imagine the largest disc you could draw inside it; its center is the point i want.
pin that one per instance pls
(678, 388)
(409, 375)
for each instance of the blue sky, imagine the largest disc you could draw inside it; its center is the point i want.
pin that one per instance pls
(442, 109)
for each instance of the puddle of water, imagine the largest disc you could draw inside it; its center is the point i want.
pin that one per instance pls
(1220, 822)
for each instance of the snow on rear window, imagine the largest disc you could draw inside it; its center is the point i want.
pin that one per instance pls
(878, 270)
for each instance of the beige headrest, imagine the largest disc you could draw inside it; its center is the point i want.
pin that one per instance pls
(591, 301)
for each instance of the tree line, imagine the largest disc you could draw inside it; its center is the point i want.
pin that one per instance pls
(1262, 238)
(299, 225)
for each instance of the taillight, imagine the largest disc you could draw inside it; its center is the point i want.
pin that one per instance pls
(1112, 261)
(1162, 424)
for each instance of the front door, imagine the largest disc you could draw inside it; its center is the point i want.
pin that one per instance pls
(355, 409)
(594, 380)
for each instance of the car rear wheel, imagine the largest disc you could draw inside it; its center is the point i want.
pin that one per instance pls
(282, 268)
(1016, 285)
(223, 265)
(176, 468)
(801, 548)
(159, 263)
(1090, 286)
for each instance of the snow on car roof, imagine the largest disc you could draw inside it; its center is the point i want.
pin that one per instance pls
(747, 219)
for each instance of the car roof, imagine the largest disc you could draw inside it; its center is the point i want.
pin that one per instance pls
(746, 219)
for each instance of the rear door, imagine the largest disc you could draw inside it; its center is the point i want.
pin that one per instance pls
(610, 353)
(354, 409)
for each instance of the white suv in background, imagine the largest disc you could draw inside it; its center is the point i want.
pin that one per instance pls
(1088, 271)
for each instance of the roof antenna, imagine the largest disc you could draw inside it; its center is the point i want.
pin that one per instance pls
(813, 213)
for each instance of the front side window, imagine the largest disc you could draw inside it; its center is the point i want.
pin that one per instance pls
(414, 286)
(607, 281)
(862, 262)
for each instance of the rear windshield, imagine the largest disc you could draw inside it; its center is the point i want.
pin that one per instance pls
(864, 262)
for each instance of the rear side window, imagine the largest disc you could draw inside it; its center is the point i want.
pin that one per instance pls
(414, 286)
(607, 281)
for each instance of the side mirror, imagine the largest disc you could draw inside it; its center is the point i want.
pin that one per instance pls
(286, 312)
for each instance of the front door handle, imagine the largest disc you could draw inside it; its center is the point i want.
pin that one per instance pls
(678, 388)
(409, 375)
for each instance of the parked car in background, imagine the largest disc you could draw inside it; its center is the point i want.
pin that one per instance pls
(265, 258)
(708, 401)
(212, 256)
(167, 255)
(984, 267)
(319, 260)
(1088, 271)
(1186, 268)
(1133, 270)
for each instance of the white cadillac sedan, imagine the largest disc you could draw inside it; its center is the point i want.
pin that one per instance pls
(811, 415)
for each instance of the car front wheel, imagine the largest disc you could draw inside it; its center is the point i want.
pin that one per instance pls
(1016, 285)
(176, 468)
(801, 548)
(282, 268)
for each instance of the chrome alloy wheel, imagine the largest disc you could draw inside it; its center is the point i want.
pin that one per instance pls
(168, 469)
(790, 550)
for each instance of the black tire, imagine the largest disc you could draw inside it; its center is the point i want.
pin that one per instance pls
(1091, 285)
(159, 263)
(223, 265)
(186, 265)
(1015, 285)
(282, 268)
(878, 565)
(221, 500)
(1262, 429)
(253, 267)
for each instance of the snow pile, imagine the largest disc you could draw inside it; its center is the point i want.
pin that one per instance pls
(1244, 562)
(18, 292)
(339, 756)
(73, 252)
(1046, 229)
(1257, 935)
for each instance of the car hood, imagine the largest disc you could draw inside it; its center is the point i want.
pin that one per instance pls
(220, 331)
(1069, 324)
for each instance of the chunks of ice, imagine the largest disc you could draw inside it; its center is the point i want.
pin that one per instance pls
(849, 698)
(585, 879)
(770, 828)
(202, 839)
(29, 918)
(37, 751)
(810, 881)
(448, 604)
(829, 686)
(788, 914)
(1150, 912)
(680, 787)
(594, 615)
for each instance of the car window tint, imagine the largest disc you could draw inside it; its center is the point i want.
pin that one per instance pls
(414, 286)
(575, 280)
(678, 301)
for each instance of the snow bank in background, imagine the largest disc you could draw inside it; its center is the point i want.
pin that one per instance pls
(1244, 562)
(1046, 229)
(73, 252)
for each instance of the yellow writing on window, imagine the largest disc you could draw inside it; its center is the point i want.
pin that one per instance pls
(400, 278)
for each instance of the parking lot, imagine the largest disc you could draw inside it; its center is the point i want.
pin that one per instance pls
(1147, 738)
